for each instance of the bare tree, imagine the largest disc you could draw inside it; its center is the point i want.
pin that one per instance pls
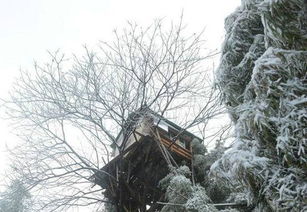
(69, 115)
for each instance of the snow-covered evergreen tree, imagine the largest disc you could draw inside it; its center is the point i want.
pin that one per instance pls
(217, 190)
(182, 195)
(263, 79)
(16, 198)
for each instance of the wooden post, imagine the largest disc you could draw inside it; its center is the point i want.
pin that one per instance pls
(192, 167)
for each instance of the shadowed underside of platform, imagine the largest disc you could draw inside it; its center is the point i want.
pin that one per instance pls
(134, 175)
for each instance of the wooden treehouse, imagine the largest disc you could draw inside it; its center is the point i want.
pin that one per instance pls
(142, 157)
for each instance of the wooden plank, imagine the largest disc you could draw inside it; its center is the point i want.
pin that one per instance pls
(176, 148)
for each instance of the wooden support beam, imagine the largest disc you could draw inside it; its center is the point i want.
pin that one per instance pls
(215, 205)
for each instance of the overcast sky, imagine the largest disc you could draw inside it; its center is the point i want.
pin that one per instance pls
(28, 28)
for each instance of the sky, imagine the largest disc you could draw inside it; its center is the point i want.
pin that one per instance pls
(30, 28)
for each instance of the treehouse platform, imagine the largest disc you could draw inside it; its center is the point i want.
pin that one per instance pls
(131, 179)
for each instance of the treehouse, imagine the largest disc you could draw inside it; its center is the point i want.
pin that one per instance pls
(142, 155)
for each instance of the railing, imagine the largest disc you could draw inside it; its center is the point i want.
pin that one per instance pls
(176, 148)
(172, 146)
